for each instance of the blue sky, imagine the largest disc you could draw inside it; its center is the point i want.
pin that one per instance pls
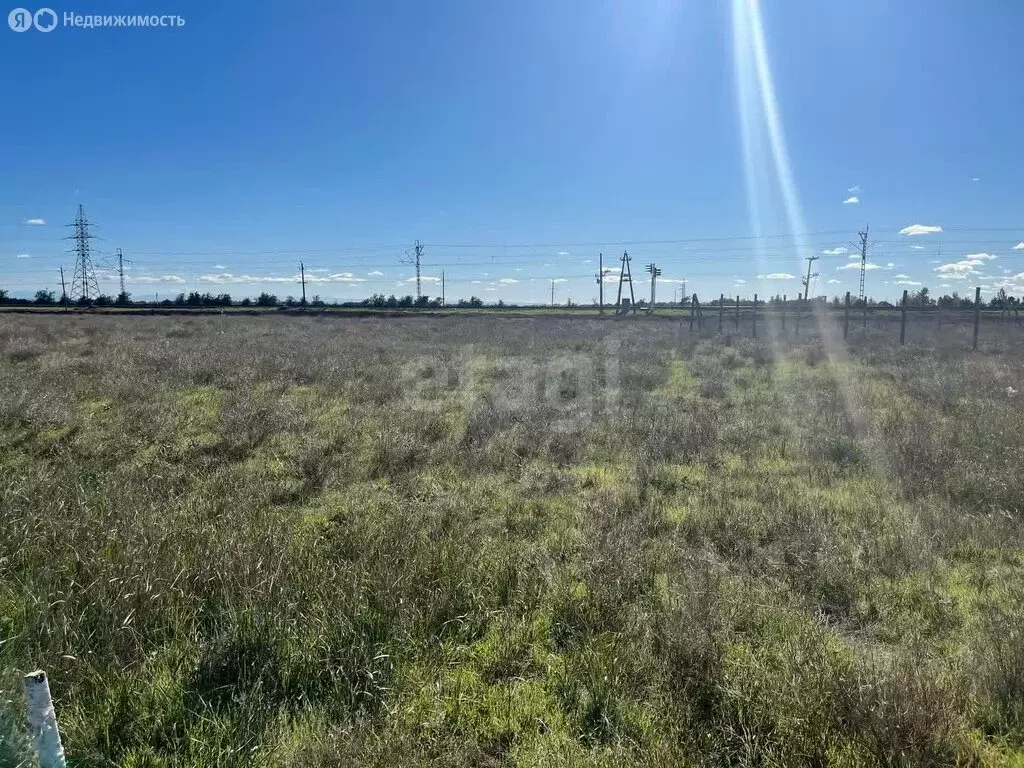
(517, 141)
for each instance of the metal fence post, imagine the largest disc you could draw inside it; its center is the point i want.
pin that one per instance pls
(43, 721)
(977, 314)
(846, 316)
(903, 319)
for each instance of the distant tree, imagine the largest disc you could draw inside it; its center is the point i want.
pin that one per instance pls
(104, 301)
(266, 300)
(436, 301)
(405, 301)
(123, 299)
(223, 300)
(195, 299)
(392, 301)
(317, 302)
(501, 303)
(999, 301)
(472, 302)
(179, 300)
(422, 301)
(920, 298)
(246, 302)
(3, 294)
(166, 303)
(291, 301)
(45, 297)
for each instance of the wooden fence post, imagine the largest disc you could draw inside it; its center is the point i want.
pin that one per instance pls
(693, 311)
(721, 311)
(846, 316)
(977, 314)
(755, 316)
(737, 312)
(903, 319)
(700, 317)
(42, 721)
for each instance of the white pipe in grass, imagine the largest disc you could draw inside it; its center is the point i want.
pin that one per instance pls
(43, 721)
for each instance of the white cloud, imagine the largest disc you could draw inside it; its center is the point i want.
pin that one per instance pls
(562, 253)
(518, 269)
(476, 282)
(739, 281)
(375, 273)
(902, 277)
(851, 200)
(35, 222)
(854, 256)
(559, 280)
(508, 280)
(917, 247)
(920, 229)
(905, 282)
(961, 270)
(23, 256)
(424, 279)
(980, 256)
(777, 276)
(833, 281)
(945, 285)
(173, 279)
(221, 267)
(1019, 246)
(854, 190)
(835, 251)
(226, 278)
(975, 179)
(856, 265)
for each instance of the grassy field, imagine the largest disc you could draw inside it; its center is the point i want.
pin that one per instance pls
(270, 541)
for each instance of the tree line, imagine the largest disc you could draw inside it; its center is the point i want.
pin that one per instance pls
(197, 299)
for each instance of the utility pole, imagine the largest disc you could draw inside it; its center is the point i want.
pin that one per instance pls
(83, 285)
(414, 257)
(302, 272)
(625, 274)
(863, 258)
(120, 269)
(652, 268)
(600, 283)
(807, 281)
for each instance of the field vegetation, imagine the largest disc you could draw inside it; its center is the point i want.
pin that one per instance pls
(271, 541)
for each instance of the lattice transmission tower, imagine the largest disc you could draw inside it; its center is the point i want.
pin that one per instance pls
(83, 284)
